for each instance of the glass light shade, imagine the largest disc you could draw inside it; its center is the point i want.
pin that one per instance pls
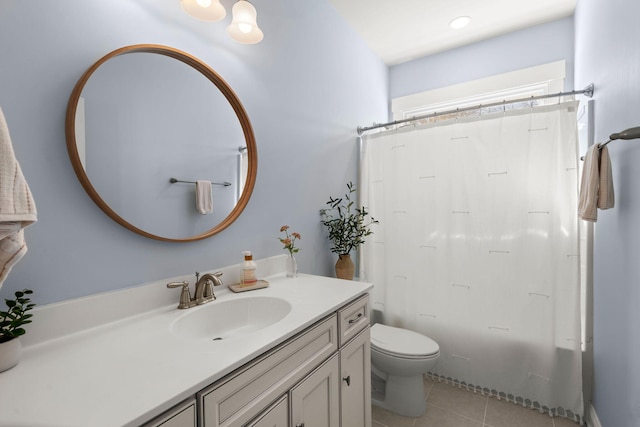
(243, 27)
(205, 10)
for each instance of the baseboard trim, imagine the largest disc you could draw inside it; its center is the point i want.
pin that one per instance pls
(593, 420)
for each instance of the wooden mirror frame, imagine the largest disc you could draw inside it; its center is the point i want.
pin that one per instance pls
(212, 76)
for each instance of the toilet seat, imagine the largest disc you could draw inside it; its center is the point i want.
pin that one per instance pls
(402, 343)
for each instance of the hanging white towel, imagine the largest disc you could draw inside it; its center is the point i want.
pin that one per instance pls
(606, 198)
(17, 208)
(596, 187)
(204, 197)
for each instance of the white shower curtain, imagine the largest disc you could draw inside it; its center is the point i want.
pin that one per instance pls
(477, 248)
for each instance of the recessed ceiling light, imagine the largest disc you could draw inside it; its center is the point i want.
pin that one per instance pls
(460, 22)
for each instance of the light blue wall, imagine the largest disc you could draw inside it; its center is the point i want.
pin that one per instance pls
(608, 54)
(533, 46)
(306, 87)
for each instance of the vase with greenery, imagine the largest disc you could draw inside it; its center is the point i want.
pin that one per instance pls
(348, 225)
(11, 328)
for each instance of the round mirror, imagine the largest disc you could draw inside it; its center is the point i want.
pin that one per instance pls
(144, 124)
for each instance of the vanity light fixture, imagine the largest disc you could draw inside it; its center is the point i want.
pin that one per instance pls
(244, 27)
(460, 22)
(205, 10)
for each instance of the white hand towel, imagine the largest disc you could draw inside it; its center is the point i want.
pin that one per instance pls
(606, 198)
(596, 187)
(204, 197)
(17, 208)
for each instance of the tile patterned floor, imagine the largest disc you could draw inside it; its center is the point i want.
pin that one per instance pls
(449, 406)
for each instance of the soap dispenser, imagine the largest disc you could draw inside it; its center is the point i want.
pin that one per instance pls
(248, 270)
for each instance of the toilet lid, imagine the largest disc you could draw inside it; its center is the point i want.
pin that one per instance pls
(402, 341)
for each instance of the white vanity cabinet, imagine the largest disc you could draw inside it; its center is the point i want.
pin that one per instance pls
(319, 378)
(177, 375)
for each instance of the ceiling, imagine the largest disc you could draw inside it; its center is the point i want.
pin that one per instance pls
(402, 30)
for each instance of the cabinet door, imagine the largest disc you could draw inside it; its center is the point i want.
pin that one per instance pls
(355, 367)
(183, 415)
(277, 415)
(315, 402)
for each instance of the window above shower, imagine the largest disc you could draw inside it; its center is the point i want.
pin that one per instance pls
(533, 81)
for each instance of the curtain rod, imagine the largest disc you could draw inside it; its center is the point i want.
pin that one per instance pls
(587, 91)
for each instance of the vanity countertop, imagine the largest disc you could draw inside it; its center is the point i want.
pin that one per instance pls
(125, 372)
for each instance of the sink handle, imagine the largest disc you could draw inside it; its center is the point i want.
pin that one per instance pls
(185, 295)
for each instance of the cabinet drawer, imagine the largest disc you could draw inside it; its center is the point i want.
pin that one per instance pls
(235, 400)
(353, 318)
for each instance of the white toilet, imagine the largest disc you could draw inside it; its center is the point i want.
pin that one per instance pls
(399, 358)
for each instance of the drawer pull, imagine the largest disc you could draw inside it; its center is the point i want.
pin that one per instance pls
(356, 319)
(347, 379)
(300, 425)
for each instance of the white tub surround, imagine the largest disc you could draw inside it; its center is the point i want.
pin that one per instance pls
(113, 360)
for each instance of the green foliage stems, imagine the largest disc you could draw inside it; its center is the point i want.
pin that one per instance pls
(12, 320)
(347, 224)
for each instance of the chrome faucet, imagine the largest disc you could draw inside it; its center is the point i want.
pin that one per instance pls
(203, 292)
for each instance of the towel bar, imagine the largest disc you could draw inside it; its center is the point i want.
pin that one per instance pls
(631, 133)
(173, 181)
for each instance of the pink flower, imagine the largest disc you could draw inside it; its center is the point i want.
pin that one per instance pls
(289, 240)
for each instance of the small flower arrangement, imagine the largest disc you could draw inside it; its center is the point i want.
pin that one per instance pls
(289, 241)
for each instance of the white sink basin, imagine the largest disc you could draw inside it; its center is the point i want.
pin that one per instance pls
(219, 320)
